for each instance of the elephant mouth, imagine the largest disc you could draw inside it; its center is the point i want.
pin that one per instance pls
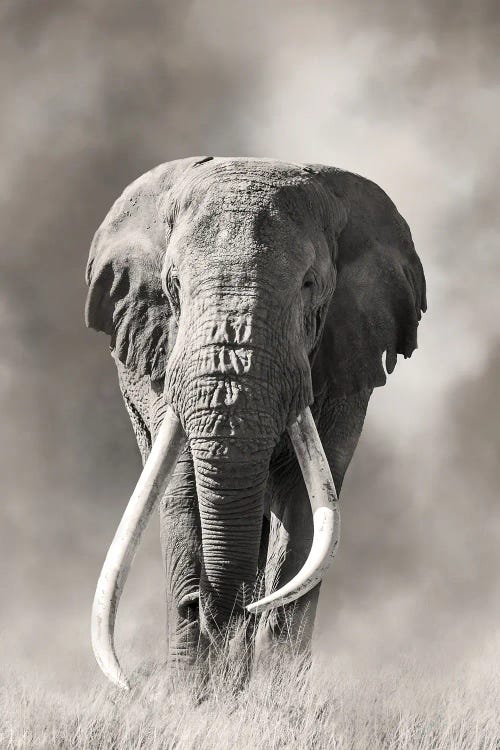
(152, 484)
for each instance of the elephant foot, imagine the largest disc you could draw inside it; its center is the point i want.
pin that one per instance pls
(188, 677)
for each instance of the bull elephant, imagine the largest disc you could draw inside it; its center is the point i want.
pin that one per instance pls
(249, 304)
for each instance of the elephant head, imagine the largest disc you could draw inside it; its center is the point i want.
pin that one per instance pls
(243, 288)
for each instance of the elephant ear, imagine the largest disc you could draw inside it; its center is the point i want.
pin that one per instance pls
(380, 291)
(125, 297)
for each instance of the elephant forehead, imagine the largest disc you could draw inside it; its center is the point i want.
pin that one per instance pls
(242, 215)
(235, 185)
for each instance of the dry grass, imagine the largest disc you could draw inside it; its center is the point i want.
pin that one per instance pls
(281, 707)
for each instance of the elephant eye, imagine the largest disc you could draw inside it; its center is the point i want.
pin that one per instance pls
(307, 289)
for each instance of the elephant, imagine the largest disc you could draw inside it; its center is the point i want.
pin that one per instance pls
(249, 304)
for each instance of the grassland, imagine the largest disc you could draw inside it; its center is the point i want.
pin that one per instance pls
(283, 706)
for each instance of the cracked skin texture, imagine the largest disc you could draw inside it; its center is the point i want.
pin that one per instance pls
(241, 291)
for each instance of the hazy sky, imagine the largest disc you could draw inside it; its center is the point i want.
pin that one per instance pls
(92, 95)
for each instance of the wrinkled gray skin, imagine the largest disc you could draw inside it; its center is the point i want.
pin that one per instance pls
(240, 291)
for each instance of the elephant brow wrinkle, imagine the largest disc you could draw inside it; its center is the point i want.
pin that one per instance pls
(227, 345)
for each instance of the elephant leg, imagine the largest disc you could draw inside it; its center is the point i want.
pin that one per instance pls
(339, 423)
(290, 538)
(181, 549)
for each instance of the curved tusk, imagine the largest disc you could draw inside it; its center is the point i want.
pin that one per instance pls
(151, 485)
(326, 516)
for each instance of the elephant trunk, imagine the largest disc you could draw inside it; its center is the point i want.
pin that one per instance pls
(230, 496)
(233, 415)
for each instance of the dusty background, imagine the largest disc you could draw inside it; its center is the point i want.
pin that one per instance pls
(92, 95)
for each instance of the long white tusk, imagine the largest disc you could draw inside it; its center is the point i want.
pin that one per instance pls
(326, 516)
(150, 487)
